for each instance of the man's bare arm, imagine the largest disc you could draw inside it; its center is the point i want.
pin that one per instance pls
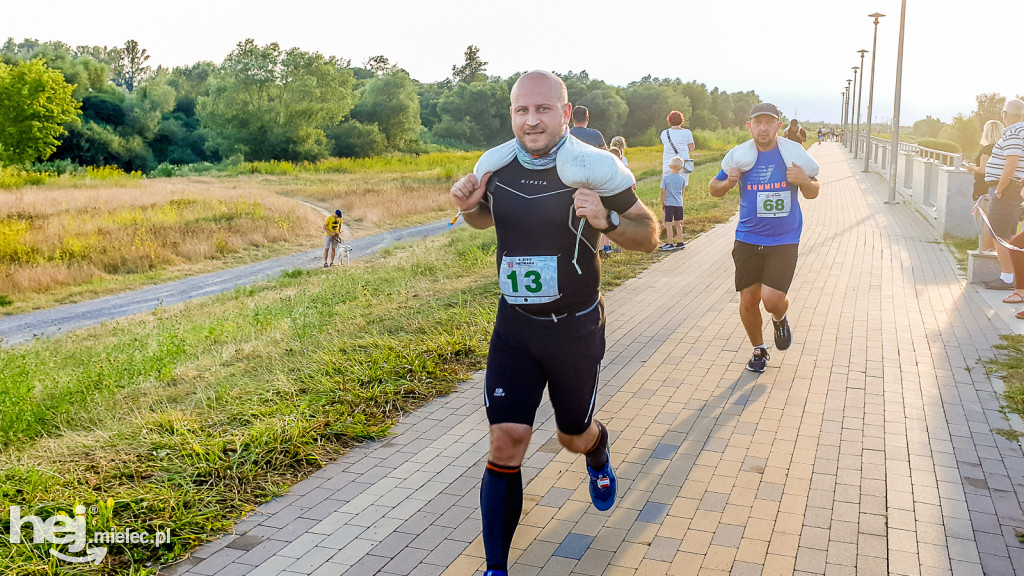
(638, 230)
(718, 188)
(467, 193)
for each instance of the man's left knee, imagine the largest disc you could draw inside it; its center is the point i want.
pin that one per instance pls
(577, 443)
(774, 300)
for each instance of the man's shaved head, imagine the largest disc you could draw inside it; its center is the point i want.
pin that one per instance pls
(1014, 107)
(557, 86)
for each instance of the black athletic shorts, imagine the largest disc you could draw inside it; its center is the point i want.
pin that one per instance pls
(772, 266)
(673, 213)
(528, 352)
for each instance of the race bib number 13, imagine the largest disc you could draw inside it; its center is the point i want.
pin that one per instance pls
(529, 279)
(773, 204)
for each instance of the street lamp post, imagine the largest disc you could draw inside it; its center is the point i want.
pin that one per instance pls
(842, 109)
(896, 111)
(871, 91)
(860, 100)
(846, 109)
(853, 100)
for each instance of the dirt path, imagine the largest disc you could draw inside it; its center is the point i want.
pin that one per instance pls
(58, 320)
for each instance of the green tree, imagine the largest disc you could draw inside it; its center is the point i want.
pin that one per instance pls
(430, 95)
(475, 115)
(352, 139)
(130, 68)
(721, 108)
(472, 70)
(742, 104)
(391, 102)
(379, 65)
(965, 131)
(146, 106)
(87, 68)
(928, 127)
(989, 107)
(267, 103)
(649, 102)
(37, 102)
(700, 114)
(608, 110)
(190, 83)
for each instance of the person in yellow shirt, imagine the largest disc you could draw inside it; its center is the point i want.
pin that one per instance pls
(332, 229)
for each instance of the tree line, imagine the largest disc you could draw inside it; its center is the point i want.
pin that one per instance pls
(92, 105)
(963, 134)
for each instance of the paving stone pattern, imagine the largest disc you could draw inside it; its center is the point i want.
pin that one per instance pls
(866, 448)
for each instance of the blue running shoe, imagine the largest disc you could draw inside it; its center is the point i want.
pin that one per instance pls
(602, 485)
(495, 573)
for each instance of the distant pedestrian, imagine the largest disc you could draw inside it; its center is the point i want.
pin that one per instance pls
(990, 134)
(620, 143)
(580, 119)
(676, 141)
(332, 229)
(795, 132)
(672, 186)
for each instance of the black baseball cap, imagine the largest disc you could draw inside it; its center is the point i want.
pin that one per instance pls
(337, 213)
(765, 108)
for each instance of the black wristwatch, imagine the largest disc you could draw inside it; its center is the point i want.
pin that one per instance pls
(613, 222)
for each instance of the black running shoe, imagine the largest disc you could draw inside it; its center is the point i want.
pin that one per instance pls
(783, 335)
(759, 360)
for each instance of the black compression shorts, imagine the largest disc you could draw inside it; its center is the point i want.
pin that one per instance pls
(772, 266)
(528, 352)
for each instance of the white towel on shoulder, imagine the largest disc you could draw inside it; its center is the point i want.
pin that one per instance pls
(744, 156)
(579, 165)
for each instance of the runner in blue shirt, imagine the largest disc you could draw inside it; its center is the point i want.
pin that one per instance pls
(768, 233)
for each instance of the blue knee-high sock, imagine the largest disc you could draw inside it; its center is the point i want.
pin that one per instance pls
(501, 504)
(597, 456)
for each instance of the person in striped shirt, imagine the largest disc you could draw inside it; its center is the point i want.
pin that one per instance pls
(1004, 174)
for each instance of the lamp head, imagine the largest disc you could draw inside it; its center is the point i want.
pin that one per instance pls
(876, 16)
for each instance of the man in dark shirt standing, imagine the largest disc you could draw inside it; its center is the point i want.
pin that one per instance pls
(580, 119)
(549, 329)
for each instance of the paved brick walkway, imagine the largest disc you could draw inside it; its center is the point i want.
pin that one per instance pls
(867, 447)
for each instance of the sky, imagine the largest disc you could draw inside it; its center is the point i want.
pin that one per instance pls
(797, 54)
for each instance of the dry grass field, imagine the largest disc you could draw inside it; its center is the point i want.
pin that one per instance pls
(72, 239)
(60, 244)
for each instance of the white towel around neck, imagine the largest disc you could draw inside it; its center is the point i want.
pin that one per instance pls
(579, 165)
(744, 156)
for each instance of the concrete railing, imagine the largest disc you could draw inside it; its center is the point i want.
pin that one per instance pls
(933, 181)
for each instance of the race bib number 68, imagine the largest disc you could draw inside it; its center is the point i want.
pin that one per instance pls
(529, 279)
(775, 204)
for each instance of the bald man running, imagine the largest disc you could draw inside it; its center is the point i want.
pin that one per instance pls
(549, 329)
